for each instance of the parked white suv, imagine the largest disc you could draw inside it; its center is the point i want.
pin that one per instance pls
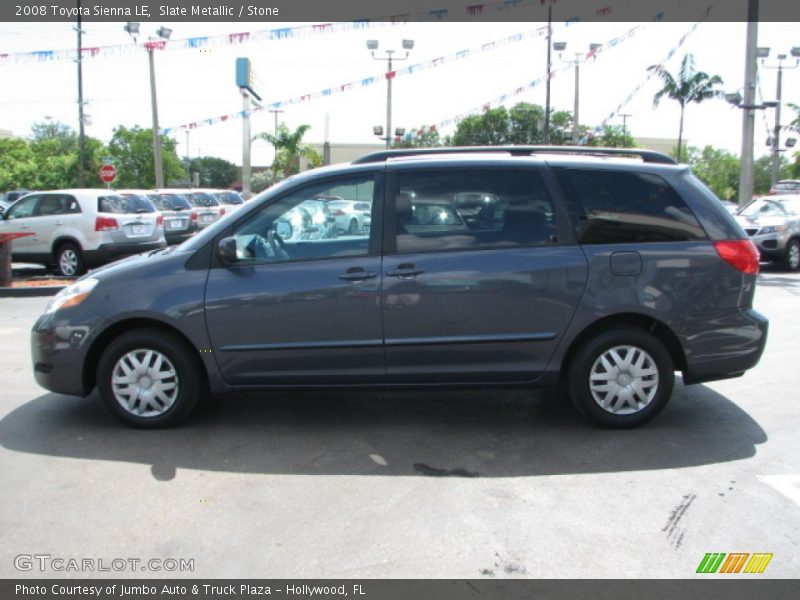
(76, 229)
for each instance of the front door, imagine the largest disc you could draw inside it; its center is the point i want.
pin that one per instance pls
(301, 304)
(481, 275)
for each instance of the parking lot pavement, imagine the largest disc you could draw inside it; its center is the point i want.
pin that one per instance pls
(435, 484)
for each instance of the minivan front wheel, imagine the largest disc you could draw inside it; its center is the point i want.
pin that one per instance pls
(622, 377)
(69, 260)
(147, 378)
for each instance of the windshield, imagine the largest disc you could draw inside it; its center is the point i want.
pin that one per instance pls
(787, 186)
(230, 198)
(169, 201)
(763, 208)
(124, 204)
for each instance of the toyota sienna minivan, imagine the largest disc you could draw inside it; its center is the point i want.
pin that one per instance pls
(602, 272)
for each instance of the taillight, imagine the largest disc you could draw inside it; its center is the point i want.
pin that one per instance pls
(222, 211)
(193, 216)
(740, 254)
(160, 221)
(105, 224)
(338, 213)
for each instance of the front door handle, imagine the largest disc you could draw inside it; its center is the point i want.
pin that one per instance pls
(405, 271)
(357, 274)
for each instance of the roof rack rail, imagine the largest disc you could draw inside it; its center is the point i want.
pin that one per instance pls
(648, 156)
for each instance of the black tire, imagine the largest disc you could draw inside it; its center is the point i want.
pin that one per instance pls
(154, 412)
(791, 256)
(69, 260)
(630, 344)
(353, 228)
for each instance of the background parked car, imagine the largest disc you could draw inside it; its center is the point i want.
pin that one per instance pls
(229, 199)
(75, 229)
(180, 219)
(311, 220)
(785, 186)
(209, 209)
(773, 224)
(351, 217)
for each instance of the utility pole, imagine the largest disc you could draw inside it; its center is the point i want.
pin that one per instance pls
(549, 66)
(81, 132)
(245, 143)
(748, 116)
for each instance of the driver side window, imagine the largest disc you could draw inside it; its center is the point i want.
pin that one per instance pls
(327, 220)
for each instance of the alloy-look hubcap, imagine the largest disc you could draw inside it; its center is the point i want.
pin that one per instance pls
(145, 383)
(623, 380)
(68, 262)
(794, 256)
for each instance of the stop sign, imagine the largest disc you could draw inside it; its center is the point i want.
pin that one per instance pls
(108, 173)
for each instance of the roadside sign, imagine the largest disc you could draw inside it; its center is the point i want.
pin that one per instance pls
(108, 173)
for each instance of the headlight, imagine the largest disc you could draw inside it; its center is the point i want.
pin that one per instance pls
(772, 229)
(71, 295)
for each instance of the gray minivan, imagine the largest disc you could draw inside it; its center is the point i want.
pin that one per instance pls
(600, 274)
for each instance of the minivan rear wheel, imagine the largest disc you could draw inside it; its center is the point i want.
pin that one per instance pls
(621, 378)
(69, 260)
(147, 378)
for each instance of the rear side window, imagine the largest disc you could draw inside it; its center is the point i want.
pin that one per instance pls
(472, 209)
(124, 204)
(622, 207)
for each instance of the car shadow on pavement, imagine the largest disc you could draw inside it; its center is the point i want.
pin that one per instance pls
(445, 433)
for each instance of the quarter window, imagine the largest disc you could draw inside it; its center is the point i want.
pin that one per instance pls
(475, 209)
(614, 207)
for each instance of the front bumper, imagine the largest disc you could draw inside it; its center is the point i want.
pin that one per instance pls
(58, 351)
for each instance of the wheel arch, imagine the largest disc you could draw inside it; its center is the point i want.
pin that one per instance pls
(644, 322)
(64, 239)
(89, 375)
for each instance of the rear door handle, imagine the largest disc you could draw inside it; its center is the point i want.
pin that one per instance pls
(405, 272)
(357, 274)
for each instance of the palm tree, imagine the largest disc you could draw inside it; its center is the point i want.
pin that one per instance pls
(690, 86)
(795, 124)
(289, 147)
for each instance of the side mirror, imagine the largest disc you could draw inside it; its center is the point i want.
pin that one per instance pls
(283, 229)
(226, 250)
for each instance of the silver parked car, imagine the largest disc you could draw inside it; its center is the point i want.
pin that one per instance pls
(352, 217)
(773, 224)
(80, 228)
(180, 218)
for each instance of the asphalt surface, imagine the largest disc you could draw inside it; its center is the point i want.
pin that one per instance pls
(371, 485)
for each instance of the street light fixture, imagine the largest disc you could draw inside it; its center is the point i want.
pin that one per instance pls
(377, 130)
(579, 57)
(133, 28)
(372, 46)
(776, 135)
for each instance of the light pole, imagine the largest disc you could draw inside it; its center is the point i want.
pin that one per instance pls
(776, 135)
(579, 58)
(163, 33)
(372, 45)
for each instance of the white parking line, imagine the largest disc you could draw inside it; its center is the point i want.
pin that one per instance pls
(788, 485)
(9, 330)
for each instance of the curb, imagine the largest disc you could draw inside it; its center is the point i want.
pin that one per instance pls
(30, 292)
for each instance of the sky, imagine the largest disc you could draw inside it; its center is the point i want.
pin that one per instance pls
(197, 84)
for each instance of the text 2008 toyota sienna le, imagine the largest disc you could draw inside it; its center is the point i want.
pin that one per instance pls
(601, 273)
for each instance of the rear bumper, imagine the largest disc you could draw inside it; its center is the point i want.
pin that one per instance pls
(109, 252)
(726, 347)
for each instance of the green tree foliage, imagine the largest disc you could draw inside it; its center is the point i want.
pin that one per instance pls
(718, 169)
(132, 152)
(59, 137)
(690, 86)
(762, 173)
(289, 148)
(214, 172)
(421, 137)
(261, 181)
(611, 136)
(18, 169)
(522, 124)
